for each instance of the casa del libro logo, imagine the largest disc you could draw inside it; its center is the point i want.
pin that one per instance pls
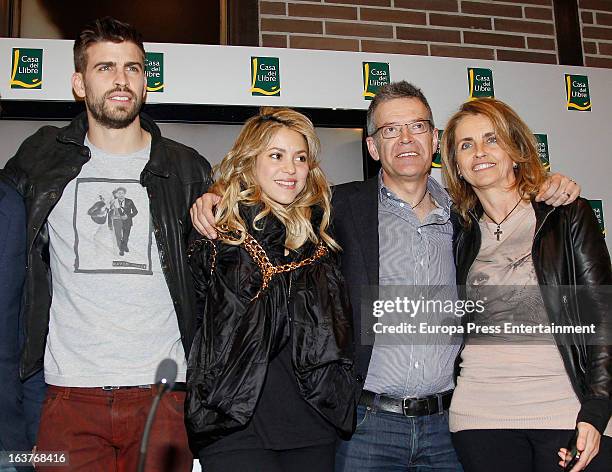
(375, 75)
(543, 154)
(436, 160)
(480, 83)
(597, 206)
(154, 71)
(26, 68)
(265, 76)
(577, 92)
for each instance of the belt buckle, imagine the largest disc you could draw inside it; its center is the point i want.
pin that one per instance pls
(108, 388)
(405, 407)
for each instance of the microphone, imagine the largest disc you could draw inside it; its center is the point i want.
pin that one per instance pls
(166, 374)
(165, 377)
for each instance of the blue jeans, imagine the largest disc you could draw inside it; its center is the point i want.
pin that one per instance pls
(392, 442)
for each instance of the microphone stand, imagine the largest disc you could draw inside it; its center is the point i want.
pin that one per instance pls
(147, 429)
(164, 379)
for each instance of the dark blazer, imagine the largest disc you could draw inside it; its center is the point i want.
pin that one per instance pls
(355, 228)
(20, 403)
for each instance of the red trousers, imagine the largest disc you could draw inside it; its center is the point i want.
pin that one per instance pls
(101, 430)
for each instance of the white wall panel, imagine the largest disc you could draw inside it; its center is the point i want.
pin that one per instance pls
(578, 141)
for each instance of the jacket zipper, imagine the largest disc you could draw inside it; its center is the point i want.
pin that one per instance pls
(564, 298)
(289, 298)
(542, 224)
(578, 346)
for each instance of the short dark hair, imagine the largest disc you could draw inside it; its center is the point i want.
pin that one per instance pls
(103, 30)
(392, 91)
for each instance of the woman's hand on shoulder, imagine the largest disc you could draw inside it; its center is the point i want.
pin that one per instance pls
(202, 215)
(587, 444)
(558, 190)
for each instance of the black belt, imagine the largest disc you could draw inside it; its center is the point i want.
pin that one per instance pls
(178, 387)
(407, 406)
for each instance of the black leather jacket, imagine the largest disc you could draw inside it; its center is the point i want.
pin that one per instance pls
(568, 250)
(230, 355)
(44, 164)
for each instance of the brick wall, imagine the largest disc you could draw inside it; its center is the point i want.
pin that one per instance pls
(510, 30)
(596, 27)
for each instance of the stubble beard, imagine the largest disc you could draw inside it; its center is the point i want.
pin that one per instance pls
(118, 117)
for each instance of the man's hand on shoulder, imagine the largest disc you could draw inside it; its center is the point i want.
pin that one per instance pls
(202, 215)
(558, 190)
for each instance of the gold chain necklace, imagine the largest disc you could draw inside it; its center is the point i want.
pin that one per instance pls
(259, 256)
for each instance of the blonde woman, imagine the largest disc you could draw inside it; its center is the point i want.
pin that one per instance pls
(270, 375)
(518, 403)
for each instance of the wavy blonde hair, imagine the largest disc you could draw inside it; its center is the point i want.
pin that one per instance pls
(235, 182)
(513, 136)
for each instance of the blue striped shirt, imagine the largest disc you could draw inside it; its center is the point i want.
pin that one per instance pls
(415, 253)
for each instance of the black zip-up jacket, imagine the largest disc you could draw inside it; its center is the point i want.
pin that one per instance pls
(44, 164)
(240, 333)
(569, 252)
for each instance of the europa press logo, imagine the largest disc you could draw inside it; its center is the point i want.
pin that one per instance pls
(542, 140)
(375, 75)
(577, 92)
(26, 69)
(265, 76)
(154, 71)
(480, 82)
(597, 206)
(436, 161)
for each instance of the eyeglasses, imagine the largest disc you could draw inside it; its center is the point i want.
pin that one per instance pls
(394, 130)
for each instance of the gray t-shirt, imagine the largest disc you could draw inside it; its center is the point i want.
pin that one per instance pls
(112, 319)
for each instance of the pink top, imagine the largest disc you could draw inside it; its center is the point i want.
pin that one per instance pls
(511, 382)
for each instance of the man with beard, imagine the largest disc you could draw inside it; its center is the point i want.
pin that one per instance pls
(100, 352)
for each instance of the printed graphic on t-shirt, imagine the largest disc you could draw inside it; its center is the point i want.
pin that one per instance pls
(112, 227)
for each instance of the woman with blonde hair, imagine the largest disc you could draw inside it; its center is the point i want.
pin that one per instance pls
(519, 400)
(270, 384)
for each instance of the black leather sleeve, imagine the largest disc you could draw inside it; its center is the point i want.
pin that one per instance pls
(594, 274)
(202, 255)
(15, 172)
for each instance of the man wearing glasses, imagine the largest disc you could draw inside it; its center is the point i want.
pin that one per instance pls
(410, 246)
(395, 229)
(402, 417)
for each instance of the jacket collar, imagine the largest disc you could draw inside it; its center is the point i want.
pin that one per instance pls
(75, 132)
(158, 163)
(476, 213)
(542, 210)
(272, 232)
